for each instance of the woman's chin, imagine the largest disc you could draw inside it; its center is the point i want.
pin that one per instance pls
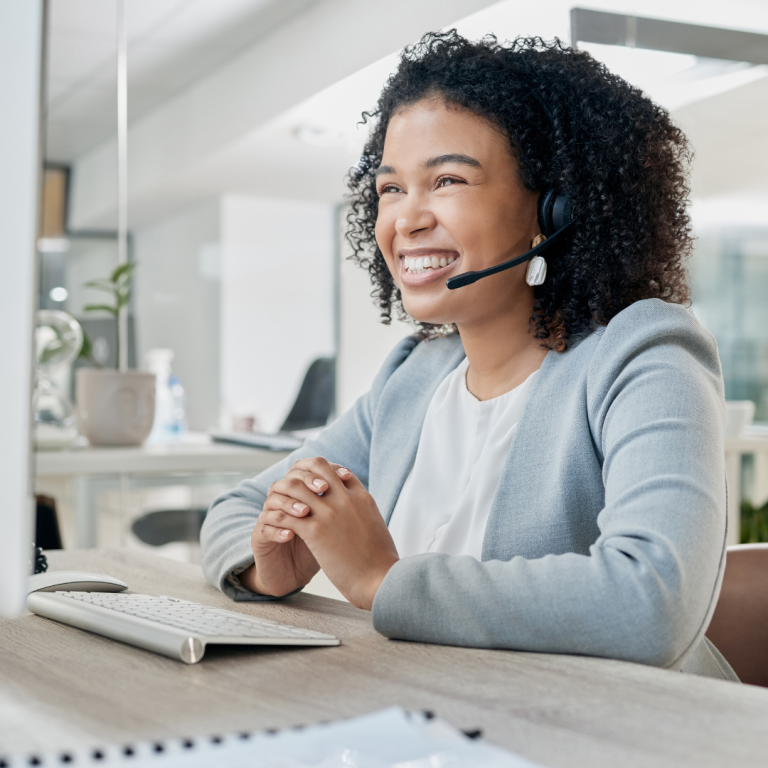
(421, 314)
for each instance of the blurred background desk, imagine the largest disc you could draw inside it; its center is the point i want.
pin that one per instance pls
(198, 469)
(751, 484)
(79, 476)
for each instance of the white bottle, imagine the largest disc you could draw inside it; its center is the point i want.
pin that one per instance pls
(177, 425)
(159, 363)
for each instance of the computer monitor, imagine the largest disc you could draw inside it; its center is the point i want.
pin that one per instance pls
(21, 46)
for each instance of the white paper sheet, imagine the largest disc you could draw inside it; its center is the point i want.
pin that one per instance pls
(390, 738)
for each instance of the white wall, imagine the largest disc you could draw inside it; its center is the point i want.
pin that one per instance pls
(173, 148)
(364, 342)
(177, 303)
(277, 301)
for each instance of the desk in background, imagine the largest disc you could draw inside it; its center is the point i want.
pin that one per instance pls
(194, 460)
(62, 688)
(197, 460)
(735, 448)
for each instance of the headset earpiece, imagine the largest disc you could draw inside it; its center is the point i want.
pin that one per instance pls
(554, 211)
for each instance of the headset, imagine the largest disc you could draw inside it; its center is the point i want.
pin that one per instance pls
(554, 213)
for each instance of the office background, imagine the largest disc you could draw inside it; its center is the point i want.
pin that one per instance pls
(243, 121)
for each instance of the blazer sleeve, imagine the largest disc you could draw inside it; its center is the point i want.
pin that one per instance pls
(647, 588)
(225, 538)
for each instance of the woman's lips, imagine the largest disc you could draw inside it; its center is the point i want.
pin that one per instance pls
(424, 265)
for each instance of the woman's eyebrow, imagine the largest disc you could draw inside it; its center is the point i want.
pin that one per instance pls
(433, 162)
(452, 158)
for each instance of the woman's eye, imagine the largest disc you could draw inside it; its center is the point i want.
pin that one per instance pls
(445, 181)
(388, 188)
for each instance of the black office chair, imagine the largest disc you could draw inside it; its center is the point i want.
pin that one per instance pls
(47, 532)
(315, 401)
(167, 525)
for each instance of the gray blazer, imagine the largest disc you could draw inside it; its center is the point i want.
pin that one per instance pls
(607, 532)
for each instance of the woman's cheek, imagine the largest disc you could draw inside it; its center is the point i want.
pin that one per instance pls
(384, 237)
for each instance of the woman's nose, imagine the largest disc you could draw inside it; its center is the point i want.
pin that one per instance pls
(413, 217)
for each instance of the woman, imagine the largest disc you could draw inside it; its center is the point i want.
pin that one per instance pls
(541, 467)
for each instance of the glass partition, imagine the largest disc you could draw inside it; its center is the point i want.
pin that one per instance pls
(729, 274)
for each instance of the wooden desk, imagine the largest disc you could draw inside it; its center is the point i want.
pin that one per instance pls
(63, 688)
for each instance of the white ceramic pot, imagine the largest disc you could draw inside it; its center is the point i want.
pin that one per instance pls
(738, 414)
(115, 407)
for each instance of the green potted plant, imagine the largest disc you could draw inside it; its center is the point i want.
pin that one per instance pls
(754, 523)
(115, 406)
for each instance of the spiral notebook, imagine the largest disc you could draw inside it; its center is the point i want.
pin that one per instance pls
(390, 738)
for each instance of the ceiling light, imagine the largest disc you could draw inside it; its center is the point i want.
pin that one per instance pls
(319, 135)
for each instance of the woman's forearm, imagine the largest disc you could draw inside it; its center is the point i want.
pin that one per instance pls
(251, 581)
(249, 578)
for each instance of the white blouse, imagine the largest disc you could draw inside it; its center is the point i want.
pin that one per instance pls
(446, 499)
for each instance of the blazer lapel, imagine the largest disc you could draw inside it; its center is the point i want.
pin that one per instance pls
(525, 514)
(400, 414)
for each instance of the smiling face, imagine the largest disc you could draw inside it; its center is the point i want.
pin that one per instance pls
(450, 201)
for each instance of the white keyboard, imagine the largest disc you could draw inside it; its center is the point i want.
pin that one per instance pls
(166, 625)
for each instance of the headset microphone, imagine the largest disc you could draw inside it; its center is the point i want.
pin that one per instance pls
(554, 215)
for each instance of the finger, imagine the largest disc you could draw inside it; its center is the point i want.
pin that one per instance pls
(315, 482)
(294, 487)
(322, 469)
(277, 535)
(264, 532)
(286, 504)
(342, 472)
(283, 521)
(278, 518)
(346, 476)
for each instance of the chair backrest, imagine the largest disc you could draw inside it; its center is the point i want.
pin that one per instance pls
(167, 525)
(739, 626)
(47, 532)
(316, 398)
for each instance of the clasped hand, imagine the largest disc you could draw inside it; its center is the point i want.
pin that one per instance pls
(320, 516)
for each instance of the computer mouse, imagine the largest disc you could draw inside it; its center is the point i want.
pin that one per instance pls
(74, 581)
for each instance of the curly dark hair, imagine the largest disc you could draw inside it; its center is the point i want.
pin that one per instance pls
(572, 125)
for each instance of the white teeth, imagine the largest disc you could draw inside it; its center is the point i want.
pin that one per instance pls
(416, 266)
